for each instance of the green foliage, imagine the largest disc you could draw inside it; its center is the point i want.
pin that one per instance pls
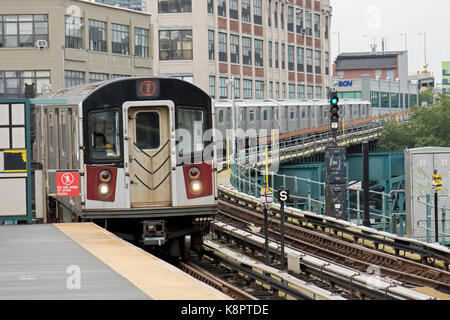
(426, 96)
(427, 127)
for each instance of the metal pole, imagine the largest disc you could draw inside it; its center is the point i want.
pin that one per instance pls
(436, 212)
(266, 234)
(366, 183)
(282, 235)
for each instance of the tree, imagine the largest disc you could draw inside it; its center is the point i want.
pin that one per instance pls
(427, 127)
(426, 96)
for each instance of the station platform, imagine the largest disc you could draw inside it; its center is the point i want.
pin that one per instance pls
(82, 261)
(222, 179)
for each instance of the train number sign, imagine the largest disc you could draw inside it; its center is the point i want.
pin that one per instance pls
(67, 184)
(147, 89)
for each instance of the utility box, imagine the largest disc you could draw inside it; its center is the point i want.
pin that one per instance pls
(419, 167)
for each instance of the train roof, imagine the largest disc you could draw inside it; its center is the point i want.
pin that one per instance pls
(78, 94)
(291, 102)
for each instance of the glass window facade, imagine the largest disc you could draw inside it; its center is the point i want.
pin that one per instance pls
(19, 31)
(257, 12)
(223, 92)
(120, 39)
(223, 47)
(211, 44)
(73, 78)
(175, 45)
(299, 21)
(309, 60)
(317, 25)
(222, 8)
(97, 36)
(97, 77)
(234, 48)
(259, 54)
(141, 42)
(300, 59)
(234, 9)
(74, 32)
(12, 83)
(212, 86)
(247, 89)
(246, 50)
(291, 57)
(259, 89)
(174, 6)
(245, 12)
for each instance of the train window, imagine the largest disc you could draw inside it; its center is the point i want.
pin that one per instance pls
(63, 133)
(147, 130)
(276, 115)
(191, 122)
(265, 115)
(292, 114)
(220, 116)
(104, 135)
(303, 114)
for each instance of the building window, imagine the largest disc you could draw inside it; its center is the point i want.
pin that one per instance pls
(291, 58)
(223, 92)
(175, 45)
(259, 54)
(221, 8)
(247, 89)
(211, 6)
(120, 39)
(234, 48)
(237, 88)
(275, 15)
(270, 54)
(97, 77)
(271, 90)
(277, 90)
(327, 28)
(22, 30)
(290, 19)
(283, 88)
(299, 21)
(141, 47)
(283, 55)
(308, 20)
(327, 63)
(317, 25)
(269, 13)
(282, 16)
(222, 47)
(318, 92)
(309, 92)
(277, 53)
(246, 51)
(119, 76)
(211, 44)
(97, 36)
(174, 6)
(291, 91)
(73, 78)
(212, 86)
(259, 89)
(12, 83)
(318, 61)
(300, 59)
(74, 32)
(234, 13)
(300, 91)
(309, 60)
(257, 12)
(245, 12)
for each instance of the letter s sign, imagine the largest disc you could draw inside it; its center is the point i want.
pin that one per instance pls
(283, 195)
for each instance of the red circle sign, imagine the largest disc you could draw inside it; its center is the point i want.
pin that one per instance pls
(147, 88)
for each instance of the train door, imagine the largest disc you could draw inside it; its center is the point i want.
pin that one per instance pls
(150, 165)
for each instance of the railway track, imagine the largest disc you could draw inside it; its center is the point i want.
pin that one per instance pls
(340, 251)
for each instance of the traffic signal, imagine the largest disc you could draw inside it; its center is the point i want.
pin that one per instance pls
(334, 111)
(437, 183)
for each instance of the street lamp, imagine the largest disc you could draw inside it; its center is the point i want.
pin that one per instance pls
(339, 41)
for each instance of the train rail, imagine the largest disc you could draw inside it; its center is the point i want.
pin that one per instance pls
(349, 283)
(340, 251)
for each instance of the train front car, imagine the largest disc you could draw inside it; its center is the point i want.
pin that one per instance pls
(147, 151)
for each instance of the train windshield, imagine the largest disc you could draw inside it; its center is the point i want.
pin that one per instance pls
(104, 135)
(190, 129)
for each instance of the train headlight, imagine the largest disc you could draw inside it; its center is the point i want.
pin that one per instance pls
(196, 187)
(194, 173)
(104, 190)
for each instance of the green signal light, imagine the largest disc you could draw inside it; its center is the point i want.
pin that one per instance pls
(334, 101)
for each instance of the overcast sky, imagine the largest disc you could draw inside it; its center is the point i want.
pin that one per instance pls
(391, 18)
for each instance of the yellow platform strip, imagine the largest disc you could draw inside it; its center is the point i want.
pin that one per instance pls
(433, 293)
(156, 278)
(223, 179)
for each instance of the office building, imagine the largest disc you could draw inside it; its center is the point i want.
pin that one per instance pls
(446, 77)
(62, 43)
(270, 48)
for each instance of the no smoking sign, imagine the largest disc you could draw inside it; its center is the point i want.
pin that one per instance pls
(67, 184)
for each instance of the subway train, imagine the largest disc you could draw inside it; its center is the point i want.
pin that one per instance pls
(143, 154)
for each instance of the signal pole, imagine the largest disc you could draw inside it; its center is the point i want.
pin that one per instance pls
(437, 186)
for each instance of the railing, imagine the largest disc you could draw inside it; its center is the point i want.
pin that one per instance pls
(429, 222)
(248, 175)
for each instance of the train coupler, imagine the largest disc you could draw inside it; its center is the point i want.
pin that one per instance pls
(154, 232)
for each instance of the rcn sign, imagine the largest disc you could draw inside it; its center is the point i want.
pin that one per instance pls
(343, 83)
